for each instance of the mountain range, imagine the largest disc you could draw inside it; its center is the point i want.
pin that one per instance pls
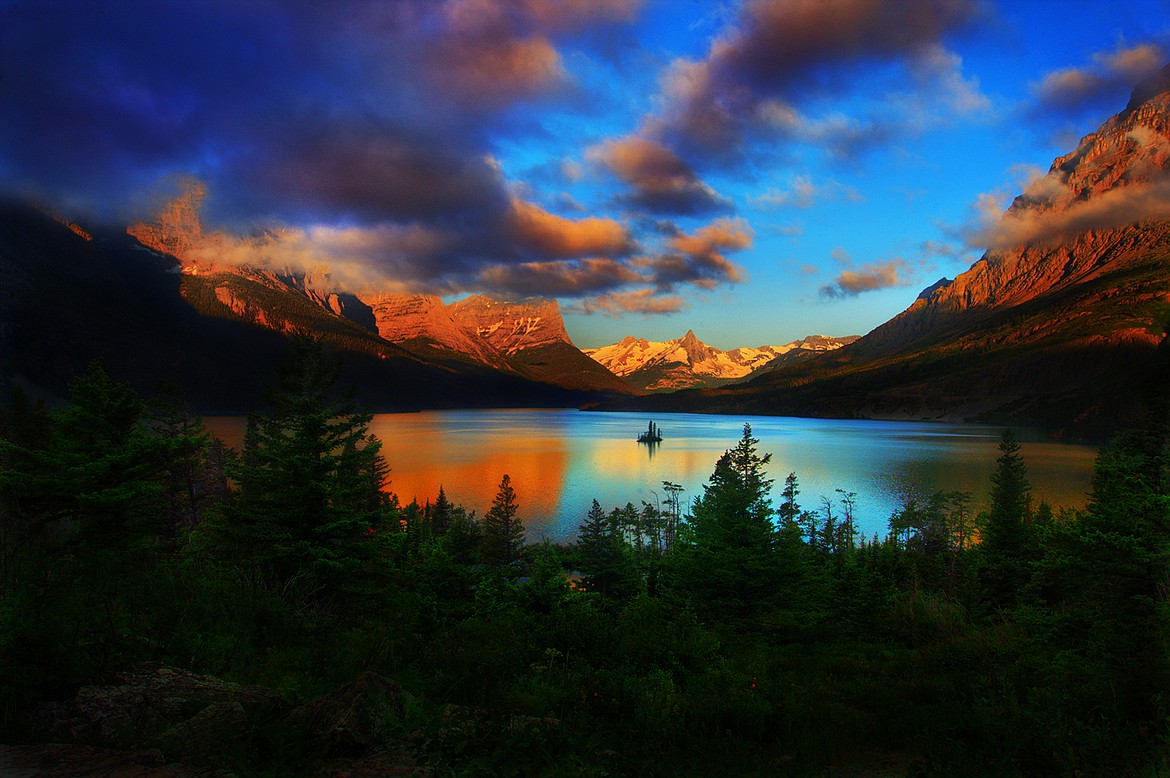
(1064, 323)
(687, 362)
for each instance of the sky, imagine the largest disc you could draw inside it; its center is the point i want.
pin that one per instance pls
(754, 171)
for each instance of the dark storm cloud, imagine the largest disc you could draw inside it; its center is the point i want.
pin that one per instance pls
(568, 278)
(659, 180)
(780, 48)
(362, 109)
(360, 126)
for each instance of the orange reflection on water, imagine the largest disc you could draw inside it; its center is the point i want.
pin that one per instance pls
(469, 469)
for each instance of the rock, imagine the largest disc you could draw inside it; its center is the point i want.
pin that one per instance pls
(353, 719)
(210, 737)
(61, 760)
(144, 702)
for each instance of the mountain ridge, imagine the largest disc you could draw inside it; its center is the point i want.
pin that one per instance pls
(688, 362)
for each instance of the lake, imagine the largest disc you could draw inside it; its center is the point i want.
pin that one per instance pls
(561, 460)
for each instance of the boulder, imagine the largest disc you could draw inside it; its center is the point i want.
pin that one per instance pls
(353, 719)
(144, 702)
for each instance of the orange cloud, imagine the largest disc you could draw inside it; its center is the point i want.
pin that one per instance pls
(1144, 201)
(869, 277)
(721, 235)
(644, 301)
(489, 69)
(555, 237)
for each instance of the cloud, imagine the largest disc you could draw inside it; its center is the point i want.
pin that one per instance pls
(537, 232)
(697, 258)
(1108, 77)
(1117, 207)
(645, 301)
(660, 180)
(803, 193)
(780, 47)
(568, 278)
(355, 110)
(941, 72)
(881, 274)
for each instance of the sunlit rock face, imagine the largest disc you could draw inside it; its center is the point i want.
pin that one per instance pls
(512, 326)
(424, 323)
(687, 361)
(1102, 206)
(176, 229)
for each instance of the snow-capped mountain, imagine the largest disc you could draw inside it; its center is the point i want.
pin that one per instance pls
(687, 361)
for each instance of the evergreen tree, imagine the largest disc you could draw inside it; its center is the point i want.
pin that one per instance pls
(729, 563)
(503, 533)
(441, 514)
(602, 554)
(1006, 538)
(310, 503)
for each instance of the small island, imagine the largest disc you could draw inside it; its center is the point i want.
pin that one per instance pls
(652, 434)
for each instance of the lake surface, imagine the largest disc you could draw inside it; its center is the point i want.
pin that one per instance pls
(561, 460)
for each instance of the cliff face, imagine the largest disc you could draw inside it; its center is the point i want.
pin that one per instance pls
(512, 326)
(423, 324)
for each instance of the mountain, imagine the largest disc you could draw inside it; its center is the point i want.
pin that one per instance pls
(72, 294)
(423, 325)
(531, 334)
(1064, 323)
(688, 362)
(524, 339)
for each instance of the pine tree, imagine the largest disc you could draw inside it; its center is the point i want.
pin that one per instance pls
(503, 533)
(729, 562)
(441, 514)
(1006, 540)
(310, 502)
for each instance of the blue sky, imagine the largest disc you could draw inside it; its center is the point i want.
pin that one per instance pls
(754, 171)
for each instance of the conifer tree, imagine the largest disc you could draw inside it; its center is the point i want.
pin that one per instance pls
(1006, 539)
(729, 562)
(310, 502)
(441, 514)
(503, 533)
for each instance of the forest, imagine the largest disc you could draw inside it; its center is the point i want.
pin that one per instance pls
(741, 634)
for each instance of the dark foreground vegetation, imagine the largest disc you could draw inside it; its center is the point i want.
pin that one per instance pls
(738, 635)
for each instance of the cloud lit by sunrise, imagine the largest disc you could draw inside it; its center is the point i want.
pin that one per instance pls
(627, 156)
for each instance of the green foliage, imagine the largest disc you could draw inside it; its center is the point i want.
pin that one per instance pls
(1006, 537)
(309, 509)
(724, 642)
(602, 555)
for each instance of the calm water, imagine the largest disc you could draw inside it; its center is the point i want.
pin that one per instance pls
(560, 460)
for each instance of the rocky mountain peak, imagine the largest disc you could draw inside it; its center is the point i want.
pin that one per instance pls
(1104, 201)
(1149, 88)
